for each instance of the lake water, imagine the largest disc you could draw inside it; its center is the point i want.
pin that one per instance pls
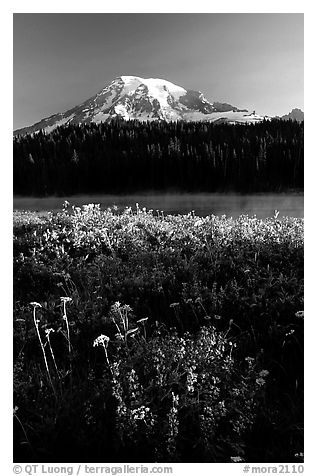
(261, 205)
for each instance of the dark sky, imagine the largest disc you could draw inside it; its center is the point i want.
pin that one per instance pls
(253, 61)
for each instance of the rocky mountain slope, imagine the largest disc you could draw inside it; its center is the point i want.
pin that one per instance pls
(295, 115)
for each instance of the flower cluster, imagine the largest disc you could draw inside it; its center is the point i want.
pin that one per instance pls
(101, 340)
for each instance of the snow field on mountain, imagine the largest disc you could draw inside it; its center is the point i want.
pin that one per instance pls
(62, 122)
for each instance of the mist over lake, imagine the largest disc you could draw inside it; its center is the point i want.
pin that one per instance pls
(263, 206)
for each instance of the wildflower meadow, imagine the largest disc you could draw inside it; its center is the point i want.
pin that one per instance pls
(145, 337)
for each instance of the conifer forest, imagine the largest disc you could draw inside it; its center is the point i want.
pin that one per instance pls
(128, 156)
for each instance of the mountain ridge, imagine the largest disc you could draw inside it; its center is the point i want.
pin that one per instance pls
(295, 114)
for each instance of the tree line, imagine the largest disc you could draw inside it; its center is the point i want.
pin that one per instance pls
(128, 156)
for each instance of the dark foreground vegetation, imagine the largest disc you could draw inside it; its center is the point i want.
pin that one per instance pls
(139, 337)
(129, 156)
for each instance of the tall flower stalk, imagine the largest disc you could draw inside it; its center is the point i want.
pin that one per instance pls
(122, 314)
(47, 333)
(103, 341)
(36, 324)
(64, 301)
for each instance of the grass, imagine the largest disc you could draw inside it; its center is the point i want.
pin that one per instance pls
(157, 338)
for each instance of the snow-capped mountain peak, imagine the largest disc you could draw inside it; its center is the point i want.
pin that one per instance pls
(144, 99)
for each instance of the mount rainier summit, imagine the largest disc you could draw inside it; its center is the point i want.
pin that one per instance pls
(135, 98)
